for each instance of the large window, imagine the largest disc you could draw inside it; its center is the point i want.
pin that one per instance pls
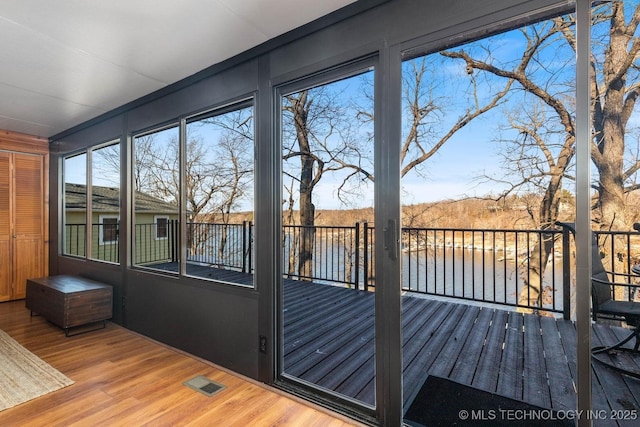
(92, 196)
(156, 178)
(219, 194)
(193, 209)
(105, 203)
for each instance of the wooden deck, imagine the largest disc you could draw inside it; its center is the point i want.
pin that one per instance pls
(329, 341)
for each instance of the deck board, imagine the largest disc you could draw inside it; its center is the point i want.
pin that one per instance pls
(486, 376)
(468, 359)
(512, 362)
(429, 344)
(560, 382)
(598, 397)
(323, 328)
(619, 395)
(535, 386)
(445, 362)
(525, 357)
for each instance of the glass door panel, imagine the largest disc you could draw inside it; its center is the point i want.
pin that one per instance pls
(485, 164)
(327, 288)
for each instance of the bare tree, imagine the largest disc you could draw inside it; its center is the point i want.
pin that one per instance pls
(106, 165)
(155, 168)
(615, 87)
(424, 133)
(289, 237)
(546, 122)
(218, 171)
(311, 170)
(536, 162)
(318, 133)
(318, 117)
(237, 179)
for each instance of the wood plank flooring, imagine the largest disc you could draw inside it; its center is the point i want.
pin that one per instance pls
(123, 379)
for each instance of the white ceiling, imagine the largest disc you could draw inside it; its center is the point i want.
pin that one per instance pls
(63, 62)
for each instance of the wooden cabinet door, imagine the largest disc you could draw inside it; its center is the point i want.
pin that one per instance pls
(6, 264)
(28, 213)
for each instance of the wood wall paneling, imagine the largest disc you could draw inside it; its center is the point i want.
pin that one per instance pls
(5, 227)
(23, 211)
(20, 142)
(28, 225)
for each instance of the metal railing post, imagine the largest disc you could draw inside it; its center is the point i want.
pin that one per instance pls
(566, 275)
(172, 240)
(365, 230)
(250, 246)
(244, 246)
(176, 238)
(357, 256)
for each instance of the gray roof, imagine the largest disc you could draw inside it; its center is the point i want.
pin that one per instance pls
(107, 199)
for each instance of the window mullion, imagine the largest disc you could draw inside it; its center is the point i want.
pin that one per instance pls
(88, 235)
(182, 229)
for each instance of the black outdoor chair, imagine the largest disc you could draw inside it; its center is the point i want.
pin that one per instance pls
(604, 306)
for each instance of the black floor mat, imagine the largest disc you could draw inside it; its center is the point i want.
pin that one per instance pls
(442, 402)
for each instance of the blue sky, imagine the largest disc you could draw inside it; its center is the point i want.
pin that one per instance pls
(449, 174)
(476, 150)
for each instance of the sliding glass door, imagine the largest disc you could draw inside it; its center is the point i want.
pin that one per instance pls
(327, 290)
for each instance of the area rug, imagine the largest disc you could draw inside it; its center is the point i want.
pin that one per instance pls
(23, 375)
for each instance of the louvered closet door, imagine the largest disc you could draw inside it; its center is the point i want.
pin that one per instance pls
(5, 227)
(29, 221)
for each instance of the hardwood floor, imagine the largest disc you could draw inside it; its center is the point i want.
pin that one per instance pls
(123, 379)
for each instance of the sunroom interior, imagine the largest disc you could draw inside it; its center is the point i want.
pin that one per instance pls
(266, 206)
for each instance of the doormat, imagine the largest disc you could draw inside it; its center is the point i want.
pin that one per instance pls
(204, 385)
(23, 375)
(443, 402)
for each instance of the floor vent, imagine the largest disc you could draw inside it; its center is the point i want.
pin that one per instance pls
(204, 385)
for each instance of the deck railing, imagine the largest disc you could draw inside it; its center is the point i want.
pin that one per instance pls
(221, 245)
(105, 245)
(154, 243)
(336, 253)
(75, 240)
(621, 251)
(104, 241)
(488, 266)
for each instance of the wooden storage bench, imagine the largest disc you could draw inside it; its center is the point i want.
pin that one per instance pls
(70, 301)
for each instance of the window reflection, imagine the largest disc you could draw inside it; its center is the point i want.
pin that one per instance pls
(75, 205)
(219, 195)
(156, 177)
